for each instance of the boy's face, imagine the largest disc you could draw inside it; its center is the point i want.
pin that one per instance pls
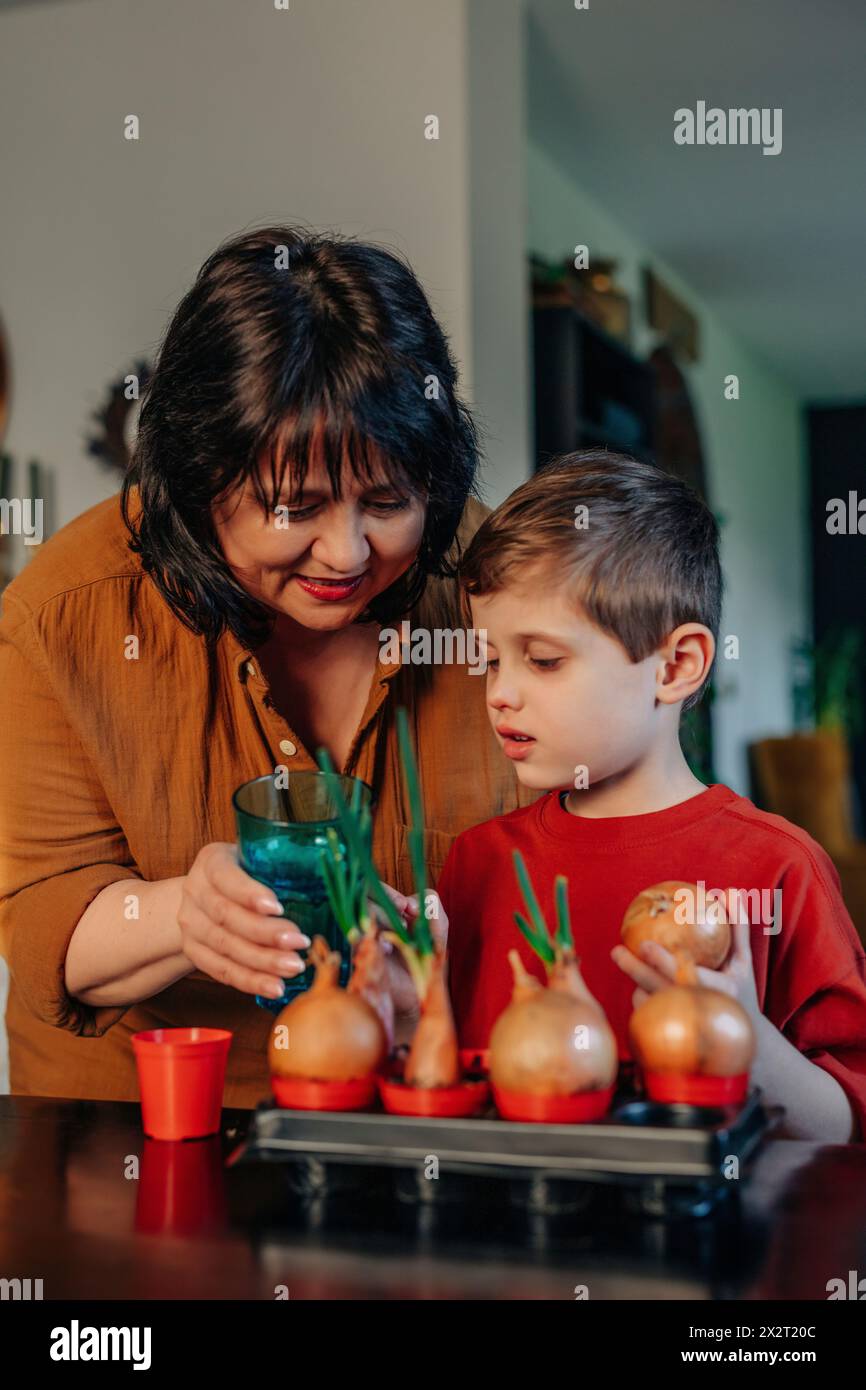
(556, 677)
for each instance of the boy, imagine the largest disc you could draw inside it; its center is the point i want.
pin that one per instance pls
(598, 586)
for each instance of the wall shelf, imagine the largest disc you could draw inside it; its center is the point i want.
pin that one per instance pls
(589, 389)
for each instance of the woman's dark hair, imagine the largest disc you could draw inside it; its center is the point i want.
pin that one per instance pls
(292, 344)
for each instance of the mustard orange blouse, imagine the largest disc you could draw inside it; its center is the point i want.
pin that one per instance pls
(113, 768)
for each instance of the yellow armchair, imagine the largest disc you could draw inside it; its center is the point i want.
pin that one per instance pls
(807, 779)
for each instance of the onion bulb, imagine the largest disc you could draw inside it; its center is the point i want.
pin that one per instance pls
(564, 975)
(327, 1033)
(654, 915)
(687, 1028)
(552, 1041)
(434, 1057)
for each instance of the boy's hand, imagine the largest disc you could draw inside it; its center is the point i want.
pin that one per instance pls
(402, 989)
(656, 969)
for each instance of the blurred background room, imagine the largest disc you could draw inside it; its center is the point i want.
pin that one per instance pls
(602, 284)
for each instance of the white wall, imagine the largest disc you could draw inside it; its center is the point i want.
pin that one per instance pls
(497, 172)
(755, 454)
(248, 114)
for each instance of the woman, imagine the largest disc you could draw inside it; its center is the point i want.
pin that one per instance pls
(302, 470)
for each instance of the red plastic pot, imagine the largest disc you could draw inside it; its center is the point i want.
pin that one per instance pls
(181, 1074)
(298, 1093)
(690, 1088)
(581, 1107)
(443, 1102)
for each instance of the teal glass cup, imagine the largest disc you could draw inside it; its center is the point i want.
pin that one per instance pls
(281, 833)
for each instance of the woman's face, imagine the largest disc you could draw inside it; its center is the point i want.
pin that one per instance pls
(317, 560)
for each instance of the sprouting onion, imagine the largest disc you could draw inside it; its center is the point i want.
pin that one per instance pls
(350, 882)
(537, 933)
(343, 872)
(423, 938)
(553, 1041)
(341, 887)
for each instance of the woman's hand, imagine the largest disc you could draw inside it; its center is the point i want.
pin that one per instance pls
(656, 968)
(227, 925)
(403, 992)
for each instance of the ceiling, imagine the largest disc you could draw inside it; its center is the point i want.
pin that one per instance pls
(775, 245)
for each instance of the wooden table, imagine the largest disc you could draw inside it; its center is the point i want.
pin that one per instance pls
(97, 1211)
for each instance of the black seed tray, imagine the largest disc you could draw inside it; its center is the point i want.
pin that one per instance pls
(637, 1140)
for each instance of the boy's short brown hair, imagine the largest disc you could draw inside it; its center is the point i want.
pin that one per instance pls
(637, 548)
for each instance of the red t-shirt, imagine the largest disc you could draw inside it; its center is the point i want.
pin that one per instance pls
(811, 974)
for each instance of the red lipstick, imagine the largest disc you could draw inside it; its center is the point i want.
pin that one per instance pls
(329, 590)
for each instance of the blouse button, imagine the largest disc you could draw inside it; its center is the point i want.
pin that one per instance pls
(251, 668)
(287, 747)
